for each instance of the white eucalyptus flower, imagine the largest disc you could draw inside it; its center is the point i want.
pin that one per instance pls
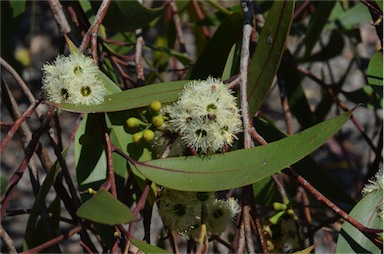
(205, 116)
(72, 79)
(220, 213)
(375, 184)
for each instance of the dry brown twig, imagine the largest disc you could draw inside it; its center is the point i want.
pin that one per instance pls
(58, 14)
(91, 34)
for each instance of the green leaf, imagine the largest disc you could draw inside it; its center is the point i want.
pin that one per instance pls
(270, 48)
(366, 97)
(212, 60)
(146, 247)
(298, 103)
(240, 167)
(347, 18)
(90, 157)
(40, 199)
(3, 184)
(375, 73)
(333, 49)
(367, 212)
(307, 167)
(127, 16)
(227, 72)
(318, 20)
(11, 14)
(380, 4)
(105, 209)
(132, 98)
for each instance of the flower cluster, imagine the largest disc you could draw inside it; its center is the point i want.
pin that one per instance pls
(72, 79)
(375, 184)
(283, 237)
(205, 116)
(185, 212)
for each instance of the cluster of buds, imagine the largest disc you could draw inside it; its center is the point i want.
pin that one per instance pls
(146, 129)
(187, 212)
(73, 79)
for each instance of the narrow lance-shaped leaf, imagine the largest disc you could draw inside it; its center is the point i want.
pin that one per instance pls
(375, 73)
(105, 209)
(133, 14)
(367, 212)
(270, 48)
(212, 60)
(241, 167)
(132, 98)
(146, 247)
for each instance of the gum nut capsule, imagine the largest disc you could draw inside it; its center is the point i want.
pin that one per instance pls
(155, 106)
(133, 122)
(148, 135)
(137, 137)
(157, 121)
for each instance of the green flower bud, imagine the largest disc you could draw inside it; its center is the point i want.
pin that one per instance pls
(275, 218)
(277, 206)
(148, 135)
(155, 107)
(137, 137)
(157, 121)
(133, 122)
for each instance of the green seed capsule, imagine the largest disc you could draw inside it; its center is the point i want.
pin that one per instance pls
(148, 135)
(133, 122)
(157, 121)
(155, 107)
(137, 137)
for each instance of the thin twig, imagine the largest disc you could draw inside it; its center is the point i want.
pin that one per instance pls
(17, 124)
(248, 231)
(280, 188)
(53, 241)
(339, 103)
(94, 28)
(244, 61)
(369, 233)
(58, 14)
(177, 23)
(21, 83)
(303, 198)
(285, 106)
(21, 169)
(241, 245)
(7, 240)
(200, 16)
(139, 57)
(110, 168)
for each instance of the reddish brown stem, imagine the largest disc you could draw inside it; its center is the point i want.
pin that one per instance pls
(369, 233)
(21, 169)
(200, 16)
(110, 168)
(177, 23)
(53, 241)
(17, 124)
(340, 104)
(93, 30)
